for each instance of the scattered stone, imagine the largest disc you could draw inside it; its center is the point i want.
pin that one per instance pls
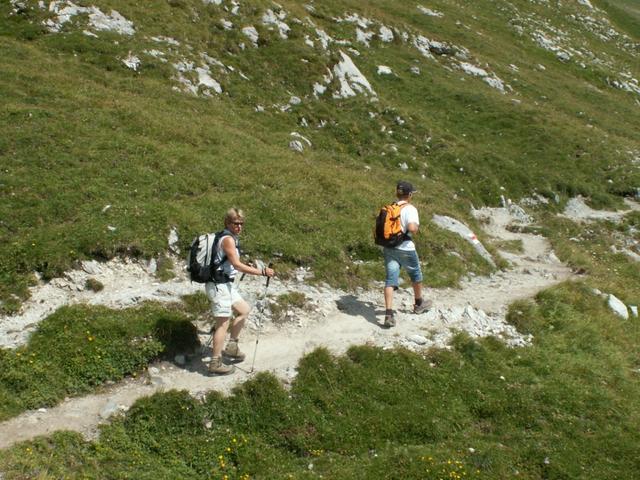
(152, 266)
(350, 79)
(384, 70)
(205, 79)
(66, 10)
(453, 225)
(252, 34)
(386, 34)
(429, 12)
(270, 18)
(173, 240)
(92, 267)
(167, 40)
(109, 409)
(634, 310)
(577, 210)
(156, 380)
(519, 215)
(132, 62)
(363, 37)
(296, 146)
(418, 339)
(490, 79)
(180, 359)
(618, 307)
(302, 138)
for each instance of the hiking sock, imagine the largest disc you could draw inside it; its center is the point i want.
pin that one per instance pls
(418, 301)
(388, 312)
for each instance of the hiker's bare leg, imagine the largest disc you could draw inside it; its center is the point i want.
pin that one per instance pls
(417, 291)
(219, 336)
(242, 310)
(388, 298)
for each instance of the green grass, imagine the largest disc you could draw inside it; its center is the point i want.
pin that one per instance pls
(285, 302)
(624, 13)
(563, 408)
(82, 132)
(77, 349)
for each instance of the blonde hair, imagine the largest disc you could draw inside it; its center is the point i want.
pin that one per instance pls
(232, 215)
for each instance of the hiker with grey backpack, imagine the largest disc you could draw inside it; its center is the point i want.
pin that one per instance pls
(395, 226)
(215, 260)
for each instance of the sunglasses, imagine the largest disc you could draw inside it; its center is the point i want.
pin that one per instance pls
(238, 224)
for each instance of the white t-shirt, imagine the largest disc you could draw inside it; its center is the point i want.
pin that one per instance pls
(408, 214)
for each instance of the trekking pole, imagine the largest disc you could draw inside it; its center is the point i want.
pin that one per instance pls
(264, 297)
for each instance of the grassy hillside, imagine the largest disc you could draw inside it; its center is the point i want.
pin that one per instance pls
(84, 131)
(485, 99)
(563, 408)
(624, 13)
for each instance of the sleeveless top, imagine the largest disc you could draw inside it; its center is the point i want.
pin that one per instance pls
(221, 258)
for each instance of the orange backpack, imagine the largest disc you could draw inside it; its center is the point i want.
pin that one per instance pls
(388, 232)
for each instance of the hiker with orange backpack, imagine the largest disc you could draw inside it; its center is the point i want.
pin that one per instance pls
(395, 226)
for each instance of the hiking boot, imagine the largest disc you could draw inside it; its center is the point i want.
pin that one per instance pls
(233, 351)
(216, 367)
(389, 321)
(425, 306)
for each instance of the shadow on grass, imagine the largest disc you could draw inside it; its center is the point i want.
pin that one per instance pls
(178, 337)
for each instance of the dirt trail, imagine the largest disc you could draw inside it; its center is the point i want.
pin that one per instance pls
(337, 320)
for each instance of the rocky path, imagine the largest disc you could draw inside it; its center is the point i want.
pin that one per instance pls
(337, 320)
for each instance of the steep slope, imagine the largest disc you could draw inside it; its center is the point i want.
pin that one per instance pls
(127, 121)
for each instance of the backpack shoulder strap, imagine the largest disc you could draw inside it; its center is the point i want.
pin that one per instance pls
(219, 236)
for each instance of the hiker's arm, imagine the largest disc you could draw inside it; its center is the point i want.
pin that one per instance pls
(229, 247)
(412, 228)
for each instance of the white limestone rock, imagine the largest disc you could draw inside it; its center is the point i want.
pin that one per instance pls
(296, 146)
(350, 79)
(455, 226)
(252, 34)
(132, 62)
(617, 306)
(386, 34)
(173, 240)
(418, 339)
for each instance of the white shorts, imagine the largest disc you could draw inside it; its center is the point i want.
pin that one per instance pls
(222, 296)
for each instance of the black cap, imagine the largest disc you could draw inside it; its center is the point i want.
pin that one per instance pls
(405, 188)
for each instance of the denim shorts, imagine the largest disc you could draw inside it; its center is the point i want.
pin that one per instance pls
(395, 259)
